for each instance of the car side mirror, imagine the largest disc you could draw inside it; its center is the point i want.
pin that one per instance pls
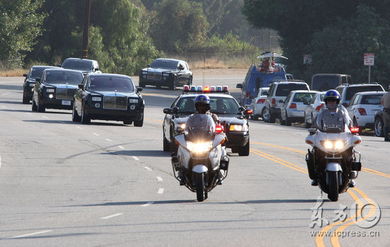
(239, 85)
(139, 89)
(167, 110)
(180, 67)
(312, 131)
(148, 65)
(25, 75)
(81, 86)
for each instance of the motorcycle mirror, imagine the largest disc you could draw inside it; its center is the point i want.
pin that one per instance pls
(312, 131)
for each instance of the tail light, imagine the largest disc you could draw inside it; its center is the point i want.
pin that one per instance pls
(248, 112)
(293, 106)
(354, 130)
(273, 101)
(260, 101)
(318, 108)
(219, 129)
(362, 111)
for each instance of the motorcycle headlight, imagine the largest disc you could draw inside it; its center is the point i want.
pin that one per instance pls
(97, 99)
(238, 127)
(328, 144)
(50, 90)
(133, 101)
(339, 145)
(336, 145)
(200, 147)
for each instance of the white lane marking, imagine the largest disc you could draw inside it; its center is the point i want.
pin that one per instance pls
(160, 191)
(135, 157)
(32, 234)
(147, 204)
(45, 117)
(121, 147)
(159, 179)
(111, 216)
(96, 134)
(109, 140)
(148, 168)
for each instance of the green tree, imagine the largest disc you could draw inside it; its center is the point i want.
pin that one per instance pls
(20, 25)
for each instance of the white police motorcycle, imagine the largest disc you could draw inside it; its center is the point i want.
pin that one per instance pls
(335, 161)
(201, 162)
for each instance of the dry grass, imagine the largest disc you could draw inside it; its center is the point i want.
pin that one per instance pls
(13, 73)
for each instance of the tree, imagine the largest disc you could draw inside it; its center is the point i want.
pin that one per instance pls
(20, 25)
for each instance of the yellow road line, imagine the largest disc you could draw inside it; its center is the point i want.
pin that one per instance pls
(372, 171)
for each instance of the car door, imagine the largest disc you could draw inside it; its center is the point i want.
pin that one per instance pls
(352, 107)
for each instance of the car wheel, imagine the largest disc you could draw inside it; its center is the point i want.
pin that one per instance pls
(25, 100)
(75, 115)
(139, 123)
(288, 120)
(244, 151)
(34, 106)
(255, 117)
(378, 128)
(166, 145)
(40, 108)
(266, 115)
(85, 119)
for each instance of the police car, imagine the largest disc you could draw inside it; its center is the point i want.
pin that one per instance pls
(231, 115)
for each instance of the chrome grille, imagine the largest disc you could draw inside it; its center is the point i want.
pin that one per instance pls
(65, 93)
(154, 76)
(115, 103)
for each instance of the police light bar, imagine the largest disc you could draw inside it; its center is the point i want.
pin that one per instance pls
(205, 89)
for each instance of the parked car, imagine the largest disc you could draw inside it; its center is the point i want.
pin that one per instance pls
(293, 109)
(108, 97)
(259, 103)
(55, 89)
(347, 91)
(277, 94)
(324, 82)
(166, 72)
(29, 81)
(231, 115)
(313, 108)
(81, 64)
(378, 124)
(363, 108)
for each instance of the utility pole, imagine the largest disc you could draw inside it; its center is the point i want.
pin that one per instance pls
(86, 28)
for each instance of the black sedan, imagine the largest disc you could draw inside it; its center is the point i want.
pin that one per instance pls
(29, 82)
(166, 72)
(231, 115)
(108, 97)
(55, 89)
(81, 64)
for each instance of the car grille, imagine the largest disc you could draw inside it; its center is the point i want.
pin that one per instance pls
(65, 93)
(154, 76)
(115, 103)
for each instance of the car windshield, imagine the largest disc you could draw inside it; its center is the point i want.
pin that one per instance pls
(351, 91)
(37, 72)
(285, 89)
(111, 84)
(218, 105)
(62, 77)
(164, 64)
(304, 97)
(374, 99)
(325, 82)
(82, 65)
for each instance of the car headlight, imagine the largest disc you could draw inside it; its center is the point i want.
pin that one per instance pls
(133, 101)
(200, 147)
(50, 90)
(238, 127)
(51, 96)
(97, 99)
(180, 127)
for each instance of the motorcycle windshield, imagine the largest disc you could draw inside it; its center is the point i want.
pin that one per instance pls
(332, 126)
(200, 127)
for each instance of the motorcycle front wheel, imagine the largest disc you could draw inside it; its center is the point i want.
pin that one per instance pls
(199, 185)
(333, 186)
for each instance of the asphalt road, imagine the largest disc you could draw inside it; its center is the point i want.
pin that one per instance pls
(106, 184)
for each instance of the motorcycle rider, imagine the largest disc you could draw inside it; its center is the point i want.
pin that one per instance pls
(333, 113)
(386, 115)
(202, 106)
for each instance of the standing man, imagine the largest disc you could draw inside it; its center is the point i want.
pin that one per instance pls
(386, 115)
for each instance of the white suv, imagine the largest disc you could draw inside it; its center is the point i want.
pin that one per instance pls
(277, 94)
(347, 91)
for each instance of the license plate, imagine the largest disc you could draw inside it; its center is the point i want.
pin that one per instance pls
(66, 102)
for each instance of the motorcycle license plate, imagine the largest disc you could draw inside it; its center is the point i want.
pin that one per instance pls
(66, 102)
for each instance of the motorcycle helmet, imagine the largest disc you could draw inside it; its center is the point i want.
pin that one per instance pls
(202, 103)
(332, 95)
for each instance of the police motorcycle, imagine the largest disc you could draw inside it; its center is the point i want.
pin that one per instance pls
(333, 157)
(201, 162)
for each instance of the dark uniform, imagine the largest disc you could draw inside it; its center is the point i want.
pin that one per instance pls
(386, 115)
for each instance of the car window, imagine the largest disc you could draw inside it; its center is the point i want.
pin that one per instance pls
(354, 100)
(372, 99)
(271, 90)
(304, 97)
(264, 92)
(82, 65)
(351, 91)
(111, 84)
(36, 72)
(218, 105)
(62, 77)
(322, 96)
(285, 89)
(325, 82)
(164, 64)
